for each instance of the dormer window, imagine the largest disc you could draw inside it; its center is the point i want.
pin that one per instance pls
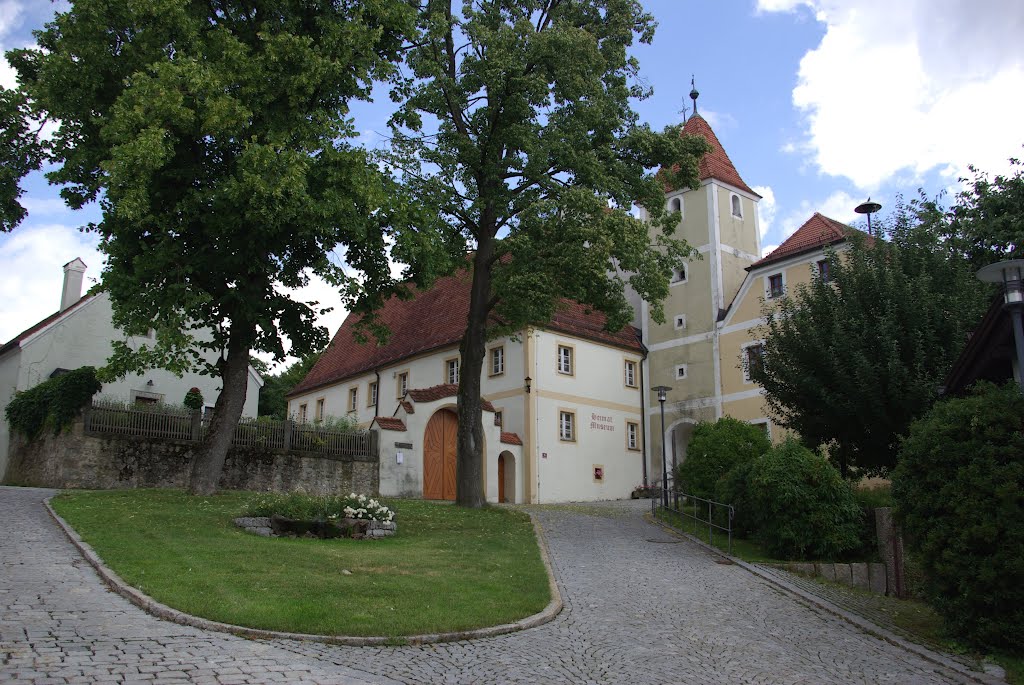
(737, 206)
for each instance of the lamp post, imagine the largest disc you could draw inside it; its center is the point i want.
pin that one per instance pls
(662, 391)
(1009, 273)
(868, 208)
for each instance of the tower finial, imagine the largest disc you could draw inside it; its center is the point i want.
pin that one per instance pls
(693, 93)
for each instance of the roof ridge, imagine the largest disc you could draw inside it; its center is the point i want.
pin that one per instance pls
(716, 163)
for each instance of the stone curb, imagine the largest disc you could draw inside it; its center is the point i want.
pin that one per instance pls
(855, 620)
(162, 611)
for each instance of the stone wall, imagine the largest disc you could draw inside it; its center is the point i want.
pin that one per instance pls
(74, 459)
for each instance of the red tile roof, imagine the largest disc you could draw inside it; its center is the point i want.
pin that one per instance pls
(16, 340)
(390, 423)
(439, 392)
(431, 320)
(816, 233)
(511, 439)
(409, 409)
(716, 163)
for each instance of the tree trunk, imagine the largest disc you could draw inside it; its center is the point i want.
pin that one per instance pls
(469, 486)
(209, 462)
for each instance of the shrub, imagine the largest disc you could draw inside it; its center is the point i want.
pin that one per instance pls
(733, 488)
(958, 489)
(53, 403)
(318, 508)
(194, 399)
(803, 507)
(715, 449)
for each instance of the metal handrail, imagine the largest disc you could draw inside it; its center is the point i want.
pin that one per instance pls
(670, 501)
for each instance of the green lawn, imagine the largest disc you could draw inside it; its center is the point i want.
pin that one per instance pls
(446, 569)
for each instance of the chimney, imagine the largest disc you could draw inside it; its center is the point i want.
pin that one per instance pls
(74, 272)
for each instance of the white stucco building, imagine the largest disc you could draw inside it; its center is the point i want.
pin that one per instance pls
(80, 334)
(563, 404)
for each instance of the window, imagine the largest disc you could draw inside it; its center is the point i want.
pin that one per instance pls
(630, 373)
(680, 320)
(497, 361)
(632, 435)
(372, 399)
(146, 400)
(567, 426)
(737, 206)
(302, 413)
(681, 372)
(499, 419)
(753, 358)
(565, 359)
(403, 383)
(823, 270)
(678, 275)
(765, 425)
(451, 371)
(776, 286)
(675, 205)
(353, 397)
(320, 409)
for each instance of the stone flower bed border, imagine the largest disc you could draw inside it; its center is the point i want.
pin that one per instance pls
(279, 526)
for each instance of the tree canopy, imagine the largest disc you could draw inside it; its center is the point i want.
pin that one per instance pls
(850, 360)
(517, 128)
(214, 137)
(987, 221)
(276, 386)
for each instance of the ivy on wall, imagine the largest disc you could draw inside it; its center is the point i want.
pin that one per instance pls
(53, 403)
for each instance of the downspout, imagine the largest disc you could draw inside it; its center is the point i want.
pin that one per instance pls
(643, 414)
(376, 405)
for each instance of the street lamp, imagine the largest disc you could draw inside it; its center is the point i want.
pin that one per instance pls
(662, 391)
(868, 208)
(1009, 273)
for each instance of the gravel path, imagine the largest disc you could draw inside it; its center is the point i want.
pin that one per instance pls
(640, 607)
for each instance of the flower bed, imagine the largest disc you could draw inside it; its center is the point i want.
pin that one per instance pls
(296, 515)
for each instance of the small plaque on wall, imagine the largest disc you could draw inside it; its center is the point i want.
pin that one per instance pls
(403, 445)
(598, 473)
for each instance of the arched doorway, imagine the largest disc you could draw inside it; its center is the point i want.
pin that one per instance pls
(506, 477)
(439, 441)
(678, 436)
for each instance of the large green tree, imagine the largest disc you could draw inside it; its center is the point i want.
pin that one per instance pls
(849, 361)
(517, 128)
(987, 221)
(213, 134)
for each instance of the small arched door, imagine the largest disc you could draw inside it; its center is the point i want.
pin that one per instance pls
(439, 455)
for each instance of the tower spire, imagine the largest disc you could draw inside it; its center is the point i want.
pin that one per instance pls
(693, 93)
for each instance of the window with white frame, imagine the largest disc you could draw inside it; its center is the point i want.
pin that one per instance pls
(765, 425)
(680, 322)
(320, 409)
(753, 359)
(679, 274)
(372, 400)
(353, 397)
(632, 435)
(403, 383)
(451, 371)
(302, 413)
(497, 361)
(776, 286)
(680, 372)
(823, 271)
(566, 425)
(499, 419)
(630, 373)
(565, 359)
(737, 206)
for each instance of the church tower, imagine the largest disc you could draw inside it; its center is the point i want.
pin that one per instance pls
(719, 219)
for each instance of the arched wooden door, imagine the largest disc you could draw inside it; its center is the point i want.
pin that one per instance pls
(439, 455)
(501, 477)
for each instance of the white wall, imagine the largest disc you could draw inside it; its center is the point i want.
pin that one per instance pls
(596, 390)
(8, 378)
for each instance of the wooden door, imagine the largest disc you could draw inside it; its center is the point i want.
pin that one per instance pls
(439, 446)
(501, 477)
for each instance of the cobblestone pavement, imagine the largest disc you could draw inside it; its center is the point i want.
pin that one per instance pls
(640, 607)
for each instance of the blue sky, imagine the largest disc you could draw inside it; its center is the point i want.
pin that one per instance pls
(819, 103)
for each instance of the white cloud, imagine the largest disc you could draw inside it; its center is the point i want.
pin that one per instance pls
(904, 88)
(768, 249)
(839, 206)
(31, 263)
(718, 120)
(765, 209)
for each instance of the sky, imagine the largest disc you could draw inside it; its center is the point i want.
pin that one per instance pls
(819, 104)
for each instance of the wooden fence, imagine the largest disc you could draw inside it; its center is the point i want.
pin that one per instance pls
(173, 423)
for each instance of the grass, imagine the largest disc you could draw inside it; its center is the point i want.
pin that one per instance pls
(747, 550)
(446, 569)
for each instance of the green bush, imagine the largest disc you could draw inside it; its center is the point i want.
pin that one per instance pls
(959, 492)
(803, 507)
(53, 403)
(304, 507)
(733, 488)
(714, 450)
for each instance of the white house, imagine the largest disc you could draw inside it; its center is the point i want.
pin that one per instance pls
(563, 411)
(80, 334)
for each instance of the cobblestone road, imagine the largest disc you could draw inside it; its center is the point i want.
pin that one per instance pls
(640, 607)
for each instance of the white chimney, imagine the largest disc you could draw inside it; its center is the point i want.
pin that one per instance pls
(74, 272)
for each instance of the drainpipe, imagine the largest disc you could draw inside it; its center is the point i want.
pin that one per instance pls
(643, 415)
(376, 405)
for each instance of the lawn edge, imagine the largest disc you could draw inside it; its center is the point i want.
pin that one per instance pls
(162, 611)
(858, 621)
